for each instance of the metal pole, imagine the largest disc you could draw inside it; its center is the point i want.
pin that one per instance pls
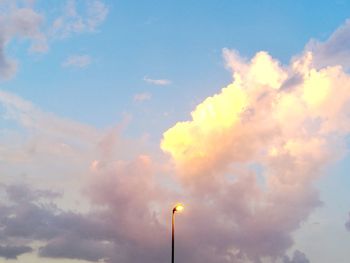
(172, 236)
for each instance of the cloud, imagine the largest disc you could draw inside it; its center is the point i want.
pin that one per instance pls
(19, 22)
(298, 257)
(79, 21)
(67, 233)
(245, 164)
(22, 193)
(238, 218)
(159, 82)
(250, 124)
(19, 19)
(77, 61)
(12, 252)
(44, 149)
(139, 97)
(8, 67)
(117, 185)
(123, 227)
(34, 119)
(75, 248)
(335, 50)
(347, 224)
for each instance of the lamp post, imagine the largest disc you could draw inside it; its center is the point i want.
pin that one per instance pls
(177, 208)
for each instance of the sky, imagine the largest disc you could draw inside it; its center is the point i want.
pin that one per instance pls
(112, 112)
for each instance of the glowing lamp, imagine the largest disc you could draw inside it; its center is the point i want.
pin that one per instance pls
(178, 208)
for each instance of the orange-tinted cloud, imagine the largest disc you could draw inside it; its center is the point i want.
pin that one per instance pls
(252, 151)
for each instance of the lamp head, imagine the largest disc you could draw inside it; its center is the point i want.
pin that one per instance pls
(178, 208)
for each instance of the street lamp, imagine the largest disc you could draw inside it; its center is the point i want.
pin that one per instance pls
(177, 208)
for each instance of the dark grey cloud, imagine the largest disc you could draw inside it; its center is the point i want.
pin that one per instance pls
(125, 231)
(123, 227)
(12, 252)
(68, 234)
(292, 81)
(72, 246)
(347, 223)
(298, 257)
(22, 193)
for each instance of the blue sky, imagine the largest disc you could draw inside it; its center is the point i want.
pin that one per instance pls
(98, 83)
(181, 42)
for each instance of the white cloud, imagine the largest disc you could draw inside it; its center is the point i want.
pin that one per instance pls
(139, 97)
(290, 131)
(78, 61)
(159, 82)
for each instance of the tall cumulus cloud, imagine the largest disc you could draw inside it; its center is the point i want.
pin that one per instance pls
(249, 156)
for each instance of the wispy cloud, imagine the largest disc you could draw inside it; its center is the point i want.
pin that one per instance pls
(49, 135)
(139, 97)
(159, 82)
(23, 22)
(77, 61)
(79, 21)
(20, 19)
